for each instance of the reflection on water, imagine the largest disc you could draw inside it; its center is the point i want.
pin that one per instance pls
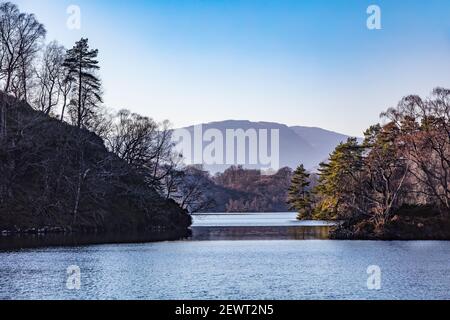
(261, 226)
(71, 240)
(286, 219)
(260, 233)
(257, 226)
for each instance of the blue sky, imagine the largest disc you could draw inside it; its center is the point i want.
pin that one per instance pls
(298, 62)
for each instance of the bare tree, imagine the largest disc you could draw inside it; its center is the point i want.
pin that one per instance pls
(51, 80)
(425, 143)
(189, 188)
(148, 147)
(21, 35)
(145, 144)
(132, 137)
(65, 85)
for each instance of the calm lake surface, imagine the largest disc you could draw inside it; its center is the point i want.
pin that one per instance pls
(259, 266)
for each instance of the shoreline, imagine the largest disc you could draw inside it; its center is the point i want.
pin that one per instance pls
(29, 242)
(398, 228)
(66, 240)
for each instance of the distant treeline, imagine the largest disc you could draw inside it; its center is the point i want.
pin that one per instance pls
(240, 190)
(257, 192)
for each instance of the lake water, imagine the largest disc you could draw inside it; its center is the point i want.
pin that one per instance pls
(208, 268)
(267, 226)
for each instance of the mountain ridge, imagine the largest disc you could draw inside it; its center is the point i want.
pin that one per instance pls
(298, 144)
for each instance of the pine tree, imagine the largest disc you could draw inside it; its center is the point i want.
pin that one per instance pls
(82, 66)
(338, 181)
(299, 196)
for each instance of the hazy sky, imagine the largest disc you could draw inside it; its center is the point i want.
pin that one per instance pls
(298, 62)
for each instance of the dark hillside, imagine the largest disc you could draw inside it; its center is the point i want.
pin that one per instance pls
(56, 177)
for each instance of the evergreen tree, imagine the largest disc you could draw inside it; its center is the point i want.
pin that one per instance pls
(82, 66)
(299, 195)
(339, 181)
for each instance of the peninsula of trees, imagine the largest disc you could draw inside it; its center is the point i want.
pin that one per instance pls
(66, 163)
(393, 185)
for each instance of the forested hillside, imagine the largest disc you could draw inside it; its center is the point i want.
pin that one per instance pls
(66, 162)
(55, 177)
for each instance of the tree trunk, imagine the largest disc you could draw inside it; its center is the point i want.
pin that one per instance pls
(81, 178)
(63, 109)
(79, 92)
(2, 118)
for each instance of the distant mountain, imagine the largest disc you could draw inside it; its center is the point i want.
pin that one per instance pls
(297, 145)
(322, 141)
